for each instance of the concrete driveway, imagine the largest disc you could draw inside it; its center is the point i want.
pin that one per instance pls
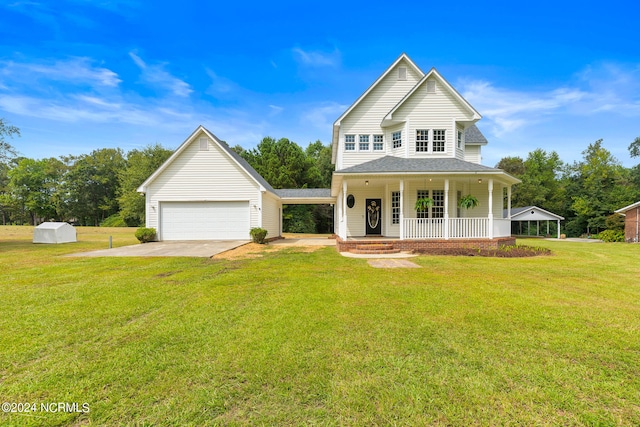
(191, 248)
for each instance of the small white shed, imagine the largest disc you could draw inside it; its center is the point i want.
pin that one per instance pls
(54, 232)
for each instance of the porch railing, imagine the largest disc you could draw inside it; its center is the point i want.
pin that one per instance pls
(469, 228)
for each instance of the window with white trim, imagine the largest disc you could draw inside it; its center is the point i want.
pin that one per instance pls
(378, 142)
(422, 140)
(349, 143)
(437, 210)
(395, 207)
(460, 138)
(423, 194)
(396, 139)
(364, 143)
(439, 140)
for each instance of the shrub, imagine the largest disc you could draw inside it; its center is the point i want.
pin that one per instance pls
(114, 220)
(258, 235)
(145, 235)
(611, 236)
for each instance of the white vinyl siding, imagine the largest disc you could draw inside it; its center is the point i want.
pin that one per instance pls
(271, 214)
(197, 175)
(434, 111)
(367, 116)
(472, 154)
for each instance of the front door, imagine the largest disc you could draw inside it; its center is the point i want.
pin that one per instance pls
(373, 217)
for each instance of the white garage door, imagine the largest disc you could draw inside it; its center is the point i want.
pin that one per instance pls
(204, 220)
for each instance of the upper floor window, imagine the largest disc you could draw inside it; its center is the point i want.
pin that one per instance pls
(422, 140)
(364, 143)
(460, 138)
(396, 139)
(438, 140)
(378, 143)
(349, 143)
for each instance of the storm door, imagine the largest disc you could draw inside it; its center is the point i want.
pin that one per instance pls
(373, 217)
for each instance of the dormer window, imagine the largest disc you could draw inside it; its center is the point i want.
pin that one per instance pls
(460, 139)
(396, 139)
(402, 73)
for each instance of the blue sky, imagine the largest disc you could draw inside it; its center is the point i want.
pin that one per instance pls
(77, 75)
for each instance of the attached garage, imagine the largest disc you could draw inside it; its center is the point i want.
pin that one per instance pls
(228, 220)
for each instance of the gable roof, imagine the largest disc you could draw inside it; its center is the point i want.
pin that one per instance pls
(434, 73)
(336, 124)
(235, 157)
(520, 214)
(627, 208)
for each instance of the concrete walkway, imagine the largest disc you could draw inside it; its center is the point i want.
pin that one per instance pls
(191, 248)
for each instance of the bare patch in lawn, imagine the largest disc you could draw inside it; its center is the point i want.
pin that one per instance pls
(255, 250)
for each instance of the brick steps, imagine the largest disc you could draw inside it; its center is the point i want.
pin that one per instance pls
(374, 249)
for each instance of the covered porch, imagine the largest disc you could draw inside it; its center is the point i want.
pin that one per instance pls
(382, 205)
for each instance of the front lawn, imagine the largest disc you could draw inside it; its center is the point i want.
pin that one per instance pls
(313, 338)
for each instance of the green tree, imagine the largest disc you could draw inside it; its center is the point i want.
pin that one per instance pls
(321, 170)
(282, 163)
(7, 151)
(598, 185)
(34, 184)
(634, 148)
(92, 185)
(140, 164)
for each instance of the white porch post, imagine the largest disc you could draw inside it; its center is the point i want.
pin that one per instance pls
(558, 229)
(402, 209)
(344, 210)
(509, 202)
(491, 208)
(446, 209)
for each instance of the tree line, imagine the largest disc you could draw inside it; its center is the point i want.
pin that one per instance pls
(99, 188)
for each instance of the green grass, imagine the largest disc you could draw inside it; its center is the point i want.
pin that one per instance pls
(297, 338)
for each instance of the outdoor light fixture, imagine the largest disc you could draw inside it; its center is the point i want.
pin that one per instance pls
(479, 180)
(366, 182)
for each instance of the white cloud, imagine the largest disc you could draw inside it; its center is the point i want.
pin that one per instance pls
(156, 75)
(73, 71)
(317, 59)
(322, 116)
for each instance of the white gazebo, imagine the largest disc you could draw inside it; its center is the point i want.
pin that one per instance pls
(534, 213)
(54, 232)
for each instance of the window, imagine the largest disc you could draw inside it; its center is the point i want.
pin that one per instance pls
(422, 140)
(438, 140)
(395, 207)
(378, 143)
(460, 139)
(402, 73)
(204, 144)
(349, 143)
(437, 210)
(364, 143)
(423, 194)
(396, 138)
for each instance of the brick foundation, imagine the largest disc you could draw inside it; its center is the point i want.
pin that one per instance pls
(425, 245)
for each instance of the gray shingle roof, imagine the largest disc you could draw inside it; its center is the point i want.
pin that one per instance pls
(250, 170)
(472, 135)
(389, 164)
(303, 192)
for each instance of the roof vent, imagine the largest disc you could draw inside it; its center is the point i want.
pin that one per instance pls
(402, 73)
(431, 86)
(204, 144)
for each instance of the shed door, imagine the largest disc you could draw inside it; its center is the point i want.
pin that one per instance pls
(204, 220)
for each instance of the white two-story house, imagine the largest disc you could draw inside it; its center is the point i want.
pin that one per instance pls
(411, 135)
